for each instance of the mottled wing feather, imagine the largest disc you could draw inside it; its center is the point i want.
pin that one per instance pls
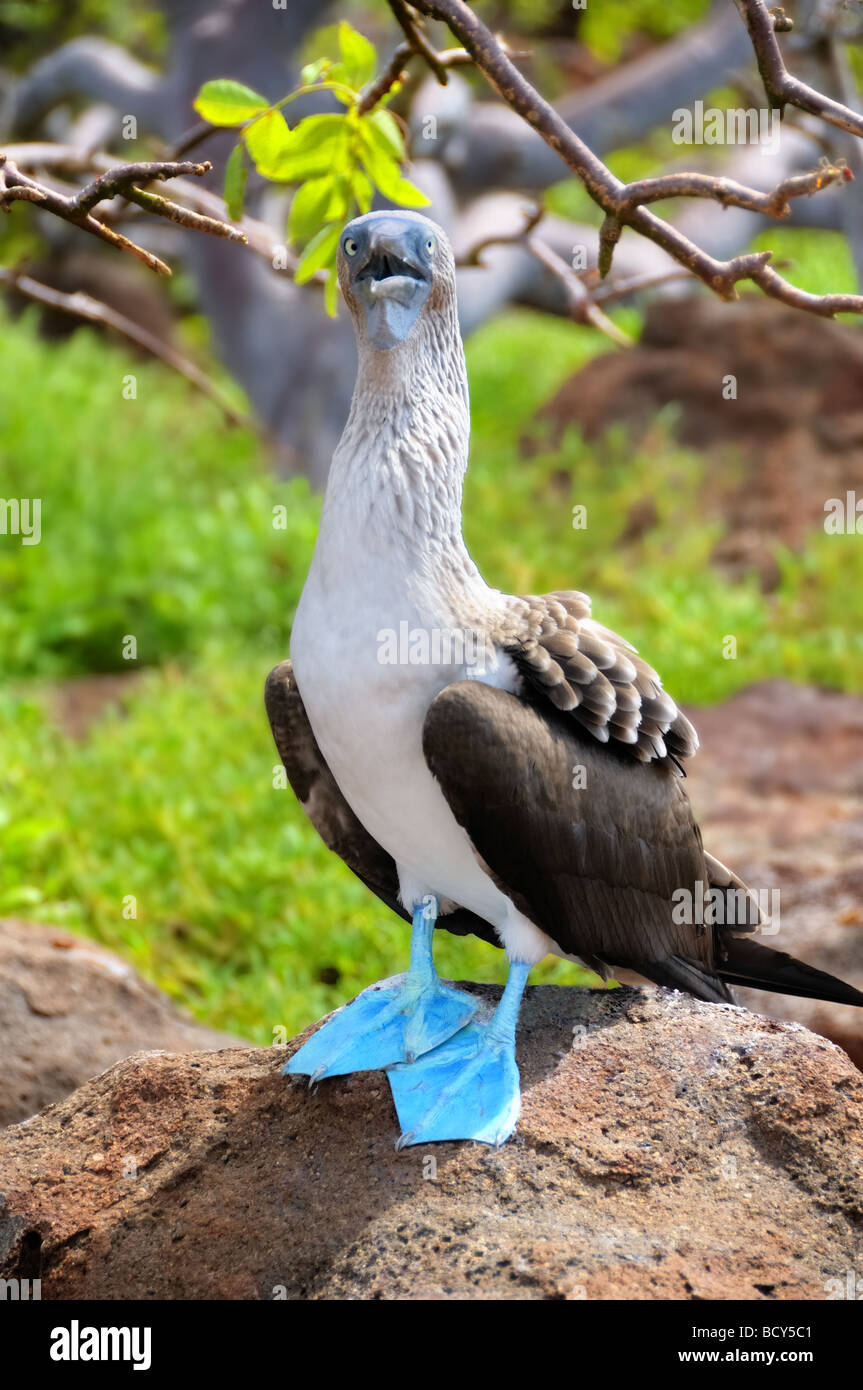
(589, 672)
(318, 793)
(589, 845)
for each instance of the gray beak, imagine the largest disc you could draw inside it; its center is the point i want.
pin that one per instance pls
(392, 285)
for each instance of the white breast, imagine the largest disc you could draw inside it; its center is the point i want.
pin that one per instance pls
(367, 715)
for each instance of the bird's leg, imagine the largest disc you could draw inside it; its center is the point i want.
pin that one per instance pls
(468, 1088)
(391, 1022)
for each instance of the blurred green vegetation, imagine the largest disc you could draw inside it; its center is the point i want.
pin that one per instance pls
(29, 30)
(607, 28)
(158, 521)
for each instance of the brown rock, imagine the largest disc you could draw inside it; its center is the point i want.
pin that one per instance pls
(678, 1150)
(68, 1010)
(778, 788)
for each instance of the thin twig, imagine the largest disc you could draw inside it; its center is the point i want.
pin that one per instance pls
(729, 193)
(117, 181)
(396, 70)
(197, 200)
(533, 216)
(582, 306)
(386, 80)
(194, 136)
(781, 88)
(610, 290)
(584, 291)
(83, 306)
(184, 217)
(417, 40)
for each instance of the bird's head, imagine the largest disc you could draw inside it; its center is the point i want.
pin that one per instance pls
(393, 266)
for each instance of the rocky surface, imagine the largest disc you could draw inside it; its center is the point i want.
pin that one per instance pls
(667, 1150)
(777, 786)
(68, 1010)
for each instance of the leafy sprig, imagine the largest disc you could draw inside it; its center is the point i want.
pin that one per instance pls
(337, 159)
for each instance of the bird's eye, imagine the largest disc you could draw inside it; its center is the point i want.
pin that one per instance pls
(351, 247)
(430, 245)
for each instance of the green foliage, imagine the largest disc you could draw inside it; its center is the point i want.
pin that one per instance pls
(338, 159)
(28, 30)
(156, 520)
(605, 28)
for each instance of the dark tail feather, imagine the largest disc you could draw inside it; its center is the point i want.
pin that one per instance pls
(747, 962)
(676, 973)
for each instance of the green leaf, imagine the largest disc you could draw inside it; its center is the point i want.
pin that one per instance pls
(267, 141)
(390, 132)
(384, 171)
(236, 173)
(309, 207)
(340, 199)
(358, 55)
(362, 190)
(318, 145)
(406, 194)
(331, 293)
(319, 254)
(225, 102)
(324, 40)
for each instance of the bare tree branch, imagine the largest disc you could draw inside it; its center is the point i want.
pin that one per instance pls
(782, 89)
(83, 306)
(607, 291)
(120, 180)
(728, 193)
(417, 40)
(622, 206)
(198, 201)
(396, 68)
(581, 304)
(533, 216)
(583, 291)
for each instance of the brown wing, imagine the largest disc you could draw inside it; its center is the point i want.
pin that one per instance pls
(318, 793)
(591, 673)
(650, 841)
(590, 845)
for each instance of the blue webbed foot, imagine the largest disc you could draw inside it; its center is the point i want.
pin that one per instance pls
(388, 1023)
(391, 1022)
(468, 1088)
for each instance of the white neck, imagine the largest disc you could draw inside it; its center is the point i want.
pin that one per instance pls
(399, 467)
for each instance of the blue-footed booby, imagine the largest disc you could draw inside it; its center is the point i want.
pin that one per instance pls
(485, 763)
